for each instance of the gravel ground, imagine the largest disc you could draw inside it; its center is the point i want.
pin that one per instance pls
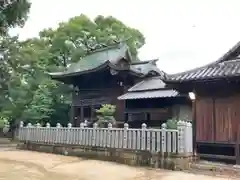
(27, 165)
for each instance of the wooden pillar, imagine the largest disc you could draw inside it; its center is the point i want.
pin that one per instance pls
(145, 119)
(72, 115)
(214, 119)
(194, 128)
(237, 153)
(81, 114)
(126, 118)
(237, 148)
(92, 113)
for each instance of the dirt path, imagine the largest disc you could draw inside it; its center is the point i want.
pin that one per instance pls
(27, 165)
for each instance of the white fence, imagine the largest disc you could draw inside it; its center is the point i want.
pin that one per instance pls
(153, 140)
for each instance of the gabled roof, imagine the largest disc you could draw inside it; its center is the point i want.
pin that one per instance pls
(145, 67)
(226, 66)
(152, 87)
(109, 57)
(152, 83)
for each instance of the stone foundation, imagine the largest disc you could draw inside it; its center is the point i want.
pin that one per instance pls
(124, 156)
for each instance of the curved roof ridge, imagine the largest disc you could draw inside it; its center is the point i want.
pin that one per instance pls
(224, 58)
(144, 62)
(230, 53)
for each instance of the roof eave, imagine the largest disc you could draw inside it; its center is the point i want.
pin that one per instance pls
(209, 79)
(104, 65)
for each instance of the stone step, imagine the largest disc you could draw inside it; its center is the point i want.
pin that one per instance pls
(8, 145)
(5, 140)
(8, 149)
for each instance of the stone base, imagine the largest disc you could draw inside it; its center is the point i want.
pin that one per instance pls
(124, 156)
(215, 169)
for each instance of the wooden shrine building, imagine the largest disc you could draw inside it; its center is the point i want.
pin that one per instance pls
(216, 106)
(100, 77)
(152, 102)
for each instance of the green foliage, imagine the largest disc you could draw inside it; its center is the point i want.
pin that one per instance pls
(107, 110)
(13, 14)
(106, 113)
(27, 92)
(72, 39)
(171, 124)
(3, 122)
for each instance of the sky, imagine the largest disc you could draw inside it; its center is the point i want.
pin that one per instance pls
(183, 34)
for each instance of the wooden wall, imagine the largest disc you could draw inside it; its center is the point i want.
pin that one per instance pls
(204, 119)
(90, 98)
(218, 118)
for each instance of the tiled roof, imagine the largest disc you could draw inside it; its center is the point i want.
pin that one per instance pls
(149, 94)
(230, 68)
(148, 84)
(144, 67)
(226, 66)
(152, 87)
(108, 56)
(96, 59)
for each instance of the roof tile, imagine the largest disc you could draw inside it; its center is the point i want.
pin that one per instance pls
(229, 68)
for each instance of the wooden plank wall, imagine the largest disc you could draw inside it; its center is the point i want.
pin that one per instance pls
(218, 119)
(227, 111)
(204, 119)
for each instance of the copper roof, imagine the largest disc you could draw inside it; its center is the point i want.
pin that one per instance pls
(149, 94)
(152, 87)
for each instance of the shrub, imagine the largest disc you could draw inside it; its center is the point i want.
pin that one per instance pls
(172, 124)
(105, 116)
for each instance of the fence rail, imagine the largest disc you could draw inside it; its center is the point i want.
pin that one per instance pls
(153, 140)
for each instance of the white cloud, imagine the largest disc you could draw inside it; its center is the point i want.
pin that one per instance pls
(183, 34)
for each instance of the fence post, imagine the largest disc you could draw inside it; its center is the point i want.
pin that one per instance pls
(48, 135)
(188, 137)
(181, 126)
(125, 135)
(143, 139)
(82, 134)
(21, 124)
(29, 125)
(48, 125)
(164, 138)
(37, 131)
(95, 125)
(20, 131)
(69, 125)
(58, 138)
(109, 138)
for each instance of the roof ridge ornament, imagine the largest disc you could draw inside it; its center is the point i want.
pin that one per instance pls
(104, 46)
(113, 72)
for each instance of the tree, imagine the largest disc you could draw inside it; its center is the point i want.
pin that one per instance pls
(73, 39)
(27, 92)
(13, 13)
